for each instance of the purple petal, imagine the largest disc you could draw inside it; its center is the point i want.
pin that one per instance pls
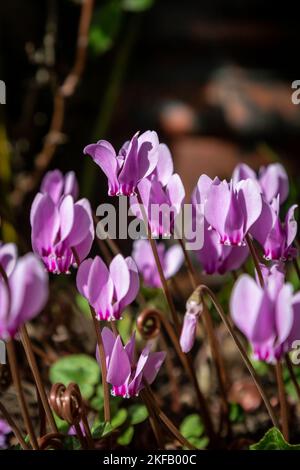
(245, 303)
(119, 273)
(45, 223)
(66, 214)
(263, 225)
(152, 366)
(29, 286)
(175, 191)
(119, 368)
(148, 153)
(202, 189)
(291, 225)
(249, 197)
(134, 283)
(284, 313)
(82, 277)
(71, 185)
(105, 156)
(81, 224)
(8, 257)
(53, 184)
(130, 348)
(243, 172)
(274, 181)
(188, 332)
(165, 167)
(109, 340)
(217, 206)
(173, 261)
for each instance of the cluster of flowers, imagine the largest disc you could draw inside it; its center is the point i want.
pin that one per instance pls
(248, 206)
(63, 234)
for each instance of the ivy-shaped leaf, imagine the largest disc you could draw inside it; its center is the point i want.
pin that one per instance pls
(273, 440)
(78, 368)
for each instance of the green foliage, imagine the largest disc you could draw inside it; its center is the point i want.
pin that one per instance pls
(137, 414)
(126, 437)
(192, 429)
(71, 443)
(289, 386)
(236, 413)
(137, 5)
(273, 440)
(83, 305)
(105, 27)
(260, 367)
(119, 418)
(78, 368)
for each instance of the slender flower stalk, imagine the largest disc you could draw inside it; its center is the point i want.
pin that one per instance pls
(31, 358)
(278, 366)
(107, 416)
(282, 401)
(166, 421)
(20, 394)
(13, 426)
(37, 377)
(159, 266)
(213, 342)
(202, 289)
(157, 318)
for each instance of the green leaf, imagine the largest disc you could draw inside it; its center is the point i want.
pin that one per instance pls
(199, 442)
(137, 5)
(71, 443)
(137, 413)
(78, 368)
(236, 413)
(192, 426)
(62, 425)
(97, 401)
(119, 418)
(260, 367)
(126, 437)
(273, 440)
(105, 27)
(83, 305)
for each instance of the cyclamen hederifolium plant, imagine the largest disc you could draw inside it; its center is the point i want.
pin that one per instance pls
(134, 304)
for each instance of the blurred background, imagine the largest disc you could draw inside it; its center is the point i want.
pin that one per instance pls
(212, 77)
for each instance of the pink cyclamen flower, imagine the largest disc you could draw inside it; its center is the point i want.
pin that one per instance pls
(189, 328)
(108, 291)
(127, 376)
(275, 237)
(269, 317)
(231, 209)
(56, 185)
(171, 261)
(27, 293)
(59, 227)
(161, 204)
(273, 180)
(135, 160)
(5, 429)
(216, 258)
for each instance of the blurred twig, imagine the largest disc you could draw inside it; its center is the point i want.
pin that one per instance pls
(64, 91)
